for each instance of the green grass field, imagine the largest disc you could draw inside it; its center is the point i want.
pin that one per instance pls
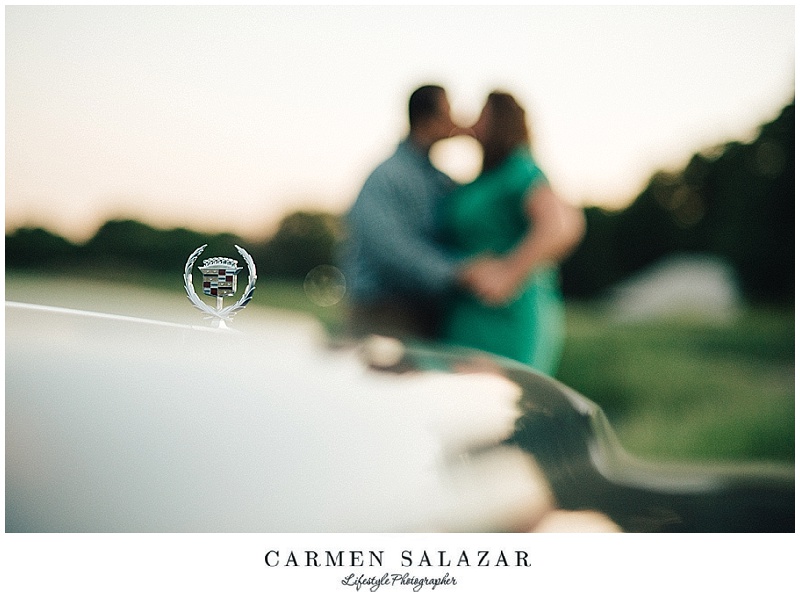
(677, 389)
(686, 389)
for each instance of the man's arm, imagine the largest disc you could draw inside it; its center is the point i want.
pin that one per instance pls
(396, 242)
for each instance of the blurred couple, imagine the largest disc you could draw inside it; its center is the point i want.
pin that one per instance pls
(472, 265)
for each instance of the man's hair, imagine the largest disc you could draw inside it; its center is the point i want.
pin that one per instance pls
(424, 104)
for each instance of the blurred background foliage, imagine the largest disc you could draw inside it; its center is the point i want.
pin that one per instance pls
(673, 388)
(735, 202)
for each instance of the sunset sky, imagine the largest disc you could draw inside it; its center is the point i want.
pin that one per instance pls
(226, 118)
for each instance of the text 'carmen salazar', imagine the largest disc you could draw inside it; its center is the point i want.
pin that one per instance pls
(406, 558)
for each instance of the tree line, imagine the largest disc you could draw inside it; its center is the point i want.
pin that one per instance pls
(735, 201)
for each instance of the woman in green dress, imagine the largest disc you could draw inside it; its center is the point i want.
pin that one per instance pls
(517, 230)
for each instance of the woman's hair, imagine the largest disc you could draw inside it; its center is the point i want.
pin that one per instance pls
(507, 129)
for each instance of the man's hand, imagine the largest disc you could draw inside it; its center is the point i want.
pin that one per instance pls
(491, 279)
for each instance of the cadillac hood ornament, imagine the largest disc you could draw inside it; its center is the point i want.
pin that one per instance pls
(220, 276)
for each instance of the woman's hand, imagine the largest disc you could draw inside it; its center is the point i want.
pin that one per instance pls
(493, 280)
(556, 229)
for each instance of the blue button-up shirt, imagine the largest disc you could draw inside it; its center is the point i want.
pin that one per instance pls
(392, 248)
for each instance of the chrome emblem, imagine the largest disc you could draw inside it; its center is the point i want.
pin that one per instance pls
(220, 275)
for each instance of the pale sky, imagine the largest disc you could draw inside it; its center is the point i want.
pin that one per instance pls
(226, 118)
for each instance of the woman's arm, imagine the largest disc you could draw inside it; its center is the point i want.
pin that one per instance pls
(555, 231)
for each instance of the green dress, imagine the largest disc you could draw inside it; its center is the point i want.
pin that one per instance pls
(489, 215)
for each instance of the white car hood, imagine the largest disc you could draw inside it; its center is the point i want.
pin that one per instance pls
(125, 424)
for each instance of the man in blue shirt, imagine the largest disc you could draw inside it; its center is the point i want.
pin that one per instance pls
(396, 272)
